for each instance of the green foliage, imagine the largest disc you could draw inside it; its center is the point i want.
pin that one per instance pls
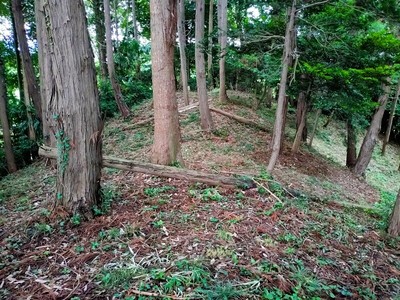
(109, 193)
(155, 191)
(384, 208)
(115, 278)
(223, 291)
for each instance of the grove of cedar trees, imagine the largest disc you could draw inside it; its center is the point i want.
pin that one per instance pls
(338, 58)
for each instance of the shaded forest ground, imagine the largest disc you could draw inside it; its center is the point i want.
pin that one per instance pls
(166, 238)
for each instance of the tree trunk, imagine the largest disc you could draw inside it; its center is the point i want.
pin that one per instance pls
(11, 166)
(182, 50)
(74, 106)
(28, 103)
(371, 137)
(27, 65)
(302, 105)
(134, 21)
(17, 55)
(314, 129)
(115, 17)
(390, 124)
(301, 120)
(210, 43)
(98, 10)
(351, 154)
(394, 223)
(22, 83)
(123, 108)
(222, 36)
(287, 62)
(205, 115)
(166, 148)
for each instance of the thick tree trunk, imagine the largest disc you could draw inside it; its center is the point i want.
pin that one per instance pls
(182, 50)
(122, 107)
(287, 62)
(98, 10)
(351, 154)
(74, 106)
(205, 115)
(371, 137)
(394, 223)
(390, 123)
(222, 37)
(26, 57)
(166, 148)
(165, 171)
(210, 44)
(314, 129)
(47, 81)
(11, 166)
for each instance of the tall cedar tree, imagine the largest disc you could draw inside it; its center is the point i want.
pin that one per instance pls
(282, 101)
(27, 65)
(222, 37)
(182, 50)
(74, 105)
(166, 148)
(205, 115)
(371, 137)
(123, 108)
(11, 166)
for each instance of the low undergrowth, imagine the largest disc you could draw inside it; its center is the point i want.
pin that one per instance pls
(309, 232)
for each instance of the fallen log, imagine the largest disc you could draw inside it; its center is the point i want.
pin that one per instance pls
(239, 119)
(165, 171)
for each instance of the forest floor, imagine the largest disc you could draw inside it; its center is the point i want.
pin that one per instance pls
(171, 239)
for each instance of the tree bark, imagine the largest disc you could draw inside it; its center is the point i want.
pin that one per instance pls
(390, 123)
(222, 36)
(287, 62)
(17, 54)
(27, 65)
(301, 119)
(11, 166)
(205, 115)
(47, 81)
(74, 106)
(370, 139)
(314, 129)
(122, 107)
(28, 103)
(134, 21)
(351, 154)
(210, 44)
(182, 50)
(98, 10)
(394, 223)
(115, 17)
(166, 148)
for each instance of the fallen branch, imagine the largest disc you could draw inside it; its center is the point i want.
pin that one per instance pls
(239, 119)
(164, 171)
